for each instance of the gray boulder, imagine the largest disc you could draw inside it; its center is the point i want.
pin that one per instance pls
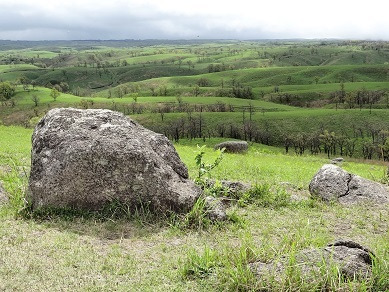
(86, 159)
(333, 183)
(352, 260)
(233, 146)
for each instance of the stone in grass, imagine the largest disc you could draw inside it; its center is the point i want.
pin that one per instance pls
(215, 208)
(233, 146)
(337, 160)
(333, 183)
(230, 188)
(351, 259)
(85, 159)
(3, 195)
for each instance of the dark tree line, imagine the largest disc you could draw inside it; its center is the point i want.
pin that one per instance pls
(353, 99)
(326, 142)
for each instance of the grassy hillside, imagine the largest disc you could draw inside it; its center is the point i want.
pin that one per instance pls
(139, 252)
(219, 88)
(203, 116)
(294, 127)
(256, 64)
(260, 77)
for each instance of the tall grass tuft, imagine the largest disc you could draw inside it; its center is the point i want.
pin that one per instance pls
(200, 265)
(264, 195)
(15, 183)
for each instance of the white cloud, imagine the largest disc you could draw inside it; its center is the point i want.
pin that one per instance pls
(87, 19)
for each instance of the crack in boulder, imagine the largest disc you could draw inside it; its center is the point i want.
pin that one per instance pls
(350, 177)
(333, 183)
(367, 256)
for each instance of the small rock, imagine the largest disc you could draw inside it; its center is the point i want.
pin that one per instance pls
(3, 195)
(233, 146)
(333, 183)
(231, 188)
(216, 209)
(352, 259)
(5, 169)
(337, 160)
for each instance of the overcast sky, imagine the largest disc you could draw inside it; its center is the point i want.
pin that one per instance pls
(191, 19)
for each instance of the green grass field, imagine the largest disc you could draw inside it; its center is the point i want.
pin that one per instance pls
(141, 254)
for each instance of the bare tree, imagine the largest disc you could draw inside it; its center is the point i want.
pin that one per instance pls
(35, 99)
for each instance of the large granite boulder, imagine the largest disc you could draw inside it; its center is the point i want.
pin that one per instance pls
(332, 183)
(86, 159)
(351, 259)
(233, 146)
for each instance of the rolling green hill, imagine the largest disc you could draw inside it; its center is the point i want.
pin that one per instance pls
(254, 90)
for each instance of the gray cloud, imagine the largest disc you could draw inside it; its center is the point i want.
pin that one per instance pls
(171, 19)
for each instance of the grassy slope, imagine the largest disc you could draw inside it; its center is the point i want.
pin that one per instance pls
(286, 64)
(158, 57)
(85, 254)
(295, 121)
(10, 68)
(295, 80)
(13, 72)
(285, 120)
(25, 107)
(91, 79)
(258, 77)
(268, 164)
(24, 98)
(27, 53)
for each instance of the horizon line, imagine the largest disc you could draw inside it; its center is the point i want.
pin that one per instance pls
(198, 39)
